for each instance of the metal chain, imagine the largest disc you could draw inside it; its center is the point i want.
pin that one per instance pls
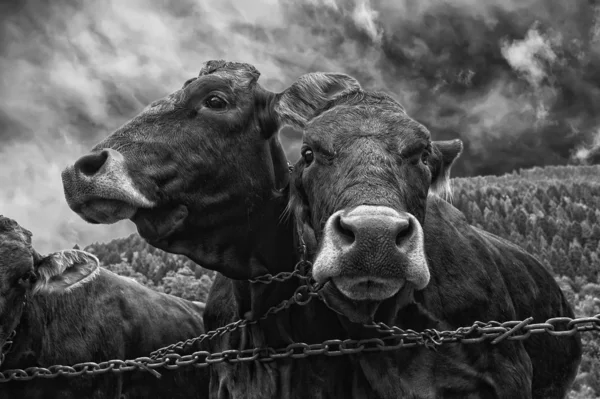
(302, 296)
(393, 338)
(397, 339)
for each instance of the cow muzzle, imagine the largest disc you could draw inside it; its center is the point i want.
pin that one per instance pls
(370, 253)
(99, 188)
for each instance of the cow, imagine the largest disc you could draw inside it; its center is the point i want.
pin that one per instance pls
(65, 309)
(202, 173)
(371, 192)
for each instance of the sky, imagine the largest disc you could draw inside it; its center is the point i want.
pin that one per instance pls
(516, 80)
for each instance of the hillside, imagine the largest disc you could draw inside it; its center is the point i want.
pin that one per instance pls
(162, 271)
(553, 212)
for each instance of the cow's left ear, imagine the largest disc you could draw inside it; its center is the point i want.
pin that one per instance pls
(443, 155)
(63, 271)
(297, 104)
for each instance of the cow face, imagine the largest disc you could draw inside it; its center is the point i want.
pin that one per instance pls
(198, 163)
(23, 272)
(360, 192)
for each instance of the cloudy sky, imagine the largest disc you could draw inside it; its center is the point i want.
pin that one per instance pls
(517, 80)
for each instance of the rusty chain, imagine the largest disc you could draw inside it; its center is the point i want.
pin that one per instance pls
(394, 338)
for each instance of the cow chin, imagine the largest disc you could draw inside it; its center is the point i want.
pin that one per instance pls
(159, 223)
(106, 211)
(368, 288)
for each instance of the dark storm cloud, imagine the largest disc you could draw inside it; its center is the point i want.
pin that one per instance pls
(516, 80)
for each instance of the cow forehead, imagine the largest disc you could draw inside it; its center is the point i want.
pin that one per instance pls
(10, 230)
(239, 72)
(338, 126)
(15, 257)
(15, 242)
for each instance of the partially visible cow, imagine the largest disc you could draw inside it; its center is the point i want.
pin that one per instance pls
(202, 173)
(66, 309)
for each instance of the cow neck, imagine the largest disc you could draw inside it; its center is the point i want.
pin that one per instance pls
(27, 338)
(275, 250)
(49, 318)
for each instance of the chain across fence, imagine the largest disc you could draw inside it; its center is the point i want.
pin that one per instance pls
(395, 338)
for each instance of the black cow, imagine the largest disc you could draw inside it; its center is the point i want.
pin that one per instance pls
(66, 309)
(201, 173)
(369, 192)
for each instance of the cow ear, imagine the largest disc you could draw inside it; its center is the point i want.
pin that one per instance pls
(443, 156)
(298, 104)
(65, 270)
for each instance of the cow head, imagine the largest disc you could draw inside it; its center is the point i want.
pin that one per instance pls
(360, 192)
(195, 170)
(24, 272)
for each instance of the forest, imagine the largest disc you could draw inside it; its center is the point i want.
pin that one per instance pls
(552, 212)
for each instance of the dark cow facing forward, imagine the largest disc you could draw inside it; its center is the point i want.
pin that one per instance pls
(367, 191)
(201, 173)
(66, 309)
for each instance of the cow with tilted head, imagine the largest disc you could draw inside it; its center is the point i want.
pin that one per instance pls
(202, 173)
(65, 309)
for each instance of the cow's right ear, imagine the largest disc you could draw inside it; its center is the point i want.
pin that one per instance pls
(443, 157)
(63, 271)
(298, 103)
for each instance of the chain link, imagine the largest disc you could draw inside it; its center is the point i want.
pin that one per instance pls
(302, 296)
(393, 338)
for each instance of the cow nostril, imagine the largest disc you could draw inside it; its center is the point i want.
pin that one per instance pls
(90, 164)
(344, 230)
(404, 228)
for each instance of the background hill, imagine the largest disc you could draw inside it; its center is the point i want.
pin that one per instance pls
(553, 212)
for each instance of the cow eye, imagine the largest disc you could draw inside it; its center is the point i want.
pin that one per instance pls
(216, 102)
(27, 278)
(425, 157)
(308, 156)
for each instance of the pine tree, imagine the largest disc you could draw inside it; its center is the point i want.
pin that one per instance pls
(585, 269)
(594, 237)
(520, 219)
(575, 255)
(591, 217)
(542, 244)
(554, 260)
(530, 244)
(586, 232)
(536, 207)
(558, 243)
(112, 258)
(508, 208)
(553, 193)
(563, 267)
(475, 212)
(561, 214)
(595, 260)
(574, 232)
(531, 225)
